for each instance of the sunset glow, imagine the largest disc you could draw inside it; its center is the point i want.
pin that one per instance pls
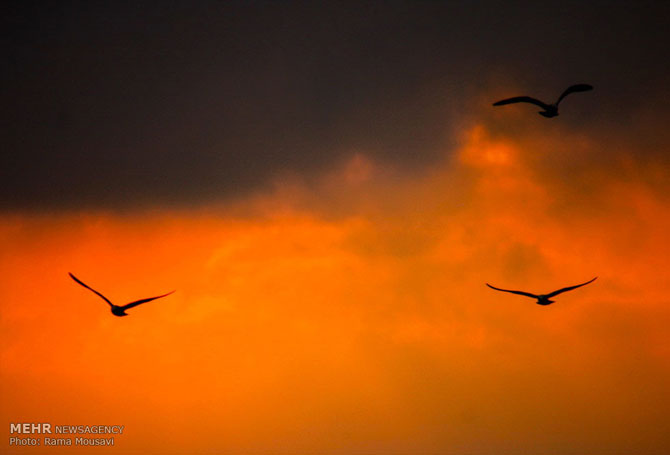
(349, 314)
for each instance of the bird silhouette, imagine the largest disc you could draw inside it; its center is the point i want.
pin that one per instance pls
(116, 309)
(550, 110)
(542, 299)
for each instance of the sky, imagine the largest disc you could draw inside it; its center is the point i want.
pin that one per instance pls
(328, 190)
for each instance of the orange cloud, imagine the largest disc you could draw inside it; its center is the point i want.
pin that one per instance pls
(349, 314)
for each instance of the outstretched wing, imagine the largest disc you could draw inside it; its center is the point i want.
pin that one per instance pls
(569, 288)
(573, 89)
(91, 289)
(522, 99)
(527, 294)
(140, 302)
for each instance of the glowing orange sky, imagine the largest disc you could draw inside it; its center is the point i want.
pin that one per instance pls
(350, 314)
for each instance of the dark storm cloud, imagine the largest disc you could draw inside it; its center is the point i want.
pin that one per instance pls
(169, 103)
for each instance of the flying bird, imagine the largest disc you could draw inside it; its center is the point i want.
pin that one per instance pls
(550, 110)
(116, 309)
(542, 299)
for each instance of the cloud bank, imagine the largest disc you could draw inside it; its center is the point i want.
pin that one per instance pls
(347, 312)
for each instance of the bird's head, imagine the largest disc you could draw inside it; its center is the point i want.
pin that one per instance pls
(551, 111)
(118, 311)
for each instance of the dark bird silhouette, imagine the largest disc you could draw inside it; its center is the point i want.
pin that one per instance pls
(116, 309)
(550, 110)
(542, 299)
